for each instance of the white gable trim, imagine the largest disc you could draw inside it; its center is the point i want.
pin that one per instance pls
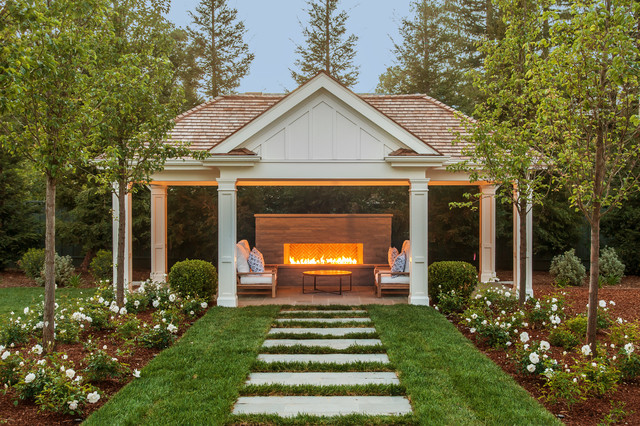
(318, 83)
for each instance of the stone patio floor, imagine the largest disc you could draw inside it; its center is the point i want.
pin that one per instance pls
(292, 295)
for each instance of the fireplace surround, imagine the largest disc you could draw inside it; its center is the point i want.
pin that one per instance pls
(284, 239)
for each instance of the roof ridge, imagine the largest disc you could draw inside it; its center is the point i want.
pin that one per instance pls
(449, 108)
(197, 108)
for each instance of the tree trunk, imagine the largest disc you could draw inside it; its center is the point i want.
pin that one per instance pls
(594, 265)
(522, 256)
(327, 27)
(48, 342)
(84, 267)
(122, 226)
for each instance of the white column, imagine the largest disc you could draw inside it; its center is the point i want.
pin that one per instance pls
(158, 233)
(487, 232)
(128, 252)
(418, 234)
(529, 252)
(227, 295)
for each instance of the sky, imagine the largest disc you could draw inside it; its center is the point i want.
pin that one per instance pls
(273, 28)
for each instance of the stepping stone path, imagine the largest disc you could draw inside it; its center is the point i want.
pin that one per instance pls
(327, 336)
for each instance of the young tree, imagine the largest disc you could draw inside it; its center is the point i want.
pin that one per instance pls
(326, 47)
(51, 100)
(139, 108)
(504, 144)
(588, 112)
(223, 57)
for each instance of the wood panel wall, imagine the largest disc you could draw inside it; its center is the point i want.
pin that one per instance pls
(372, 230)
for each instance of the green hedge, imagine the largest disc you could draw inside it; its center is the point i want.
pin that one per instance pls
(451, 275)
(196, 278)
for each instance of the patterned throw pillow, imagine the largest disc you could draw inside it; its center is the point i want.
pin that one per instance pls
(391, 255)
(398, 264)
(256, 261)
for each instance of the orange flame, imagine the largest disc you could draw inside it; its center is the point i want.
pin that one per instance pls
(322, 261)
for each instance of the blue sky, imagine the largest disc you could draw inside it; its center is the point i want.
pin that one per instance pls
(273, 24)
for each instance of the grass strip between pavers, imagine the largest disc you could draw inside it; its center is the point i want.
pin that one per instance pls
(348, 420)
(300, 308)
(302, 315)
(330, 390)
(448, 381)
(263, 367)
(313, 324)
(197, 380)
(306, 336)
(301, 349)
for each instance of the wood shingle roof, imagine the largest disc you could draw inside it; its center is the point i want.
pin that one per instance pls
(433, 122)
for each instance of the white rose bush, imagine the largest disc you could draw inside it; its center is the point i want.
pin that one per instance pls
(69, 383)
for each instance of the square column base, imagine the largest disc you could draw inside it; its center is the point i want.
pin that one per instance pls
(419, 300)
(228, 302)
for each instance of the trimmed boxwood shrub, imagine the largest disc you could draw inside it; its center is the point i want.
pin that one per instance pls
(446, 276)
(101, 266)
(32, 262)
(196, 278)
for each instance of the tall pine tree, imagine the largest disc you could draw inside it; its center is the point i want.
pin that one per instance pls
(223, 57)
(326, 45)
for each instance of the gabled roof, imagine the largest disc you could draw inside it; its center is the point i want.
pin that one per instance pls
(421, 117)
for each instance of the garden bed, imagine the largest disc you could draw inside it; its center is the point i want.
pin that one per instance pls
(616, 406)
(113, 346)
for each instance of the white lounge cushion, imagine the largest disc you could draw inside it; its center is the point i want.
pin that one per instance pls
(245, 246)
(256, 279)
(390, 279)
(242, 263)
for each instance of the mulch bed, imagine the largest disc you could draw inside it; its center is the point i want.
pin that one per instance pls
(626, 296)
(27, 413)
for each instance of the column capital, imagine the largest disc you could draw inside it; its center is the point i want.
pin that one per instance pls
(225, 184)
(419, 184)
(157, 189)
(489, 189)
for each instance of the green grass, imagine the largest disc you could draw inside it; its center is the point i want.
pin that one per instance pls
(312, 324)
(304, 336)
(302, 314)
(350, 420)
(301, 349)
(298, 308)
(261, 366)
(196, 381)
(17, 298)
(306, 390)
(447, 379)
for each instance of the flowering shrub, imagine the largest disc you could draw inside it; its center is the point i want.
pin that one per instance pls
(563, 386)
(563, 338)
(451, 302)
(629, 361)
(546, 312)
(623, 332)
(128, 327)
(158, 337)
(101, 366)
(494, 325)
(67, 329)
(64, 271)
(9, 366)
(567, 269)
(533, 358)
(67, 396)
(14, 331)
(193, 307)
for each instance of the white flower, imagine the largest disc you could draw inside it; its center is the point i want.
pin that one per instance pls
(136, 373)
(29, 378)
(472, 330)
(172, 298)
(5, 355)
(156, 303)
(114, 309)
(73, 405)
(136, 303)
(544, 345)
(204, 305)
(531, 368)
(172, 328)
(93, 397)
(26, 310)
(586, 350)
(554, 307)
(104, 347)
(554, 300)
(123, 311)
(41, 362)
(524, 337)
(629, 348)
(37, 349)
(488, 303)
(620, 320)
(101, 300)
(508, 343)
(191, 313)
(602, 304)
(612, 303)
(534, 358)
(70, 373)
(484, 322)
(78, 379)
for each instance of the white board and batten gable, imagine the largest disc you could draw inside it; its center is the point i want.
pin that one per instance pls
(322, 121)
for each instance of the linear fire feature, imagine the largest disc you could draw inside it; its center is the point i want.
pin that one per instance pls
(323, 254)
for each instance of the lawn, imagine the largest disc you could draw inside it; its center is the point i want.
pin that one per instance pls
(197, 380)
(17, 298)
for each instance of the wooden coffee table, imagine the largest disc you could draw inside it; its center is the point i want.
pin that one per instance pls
(325, 273)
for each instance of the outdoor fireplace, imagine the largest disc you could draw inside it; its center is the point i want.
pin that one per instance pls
(323, 254)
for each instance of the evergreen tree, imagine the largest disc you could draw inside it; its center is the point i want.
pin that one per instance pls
(326, 45)
(223, 58)
(187, 71)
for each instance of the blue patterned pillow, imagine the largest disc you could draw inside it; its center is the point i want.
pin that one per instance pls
(256, 261)
(398, 264)
(391, 255)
